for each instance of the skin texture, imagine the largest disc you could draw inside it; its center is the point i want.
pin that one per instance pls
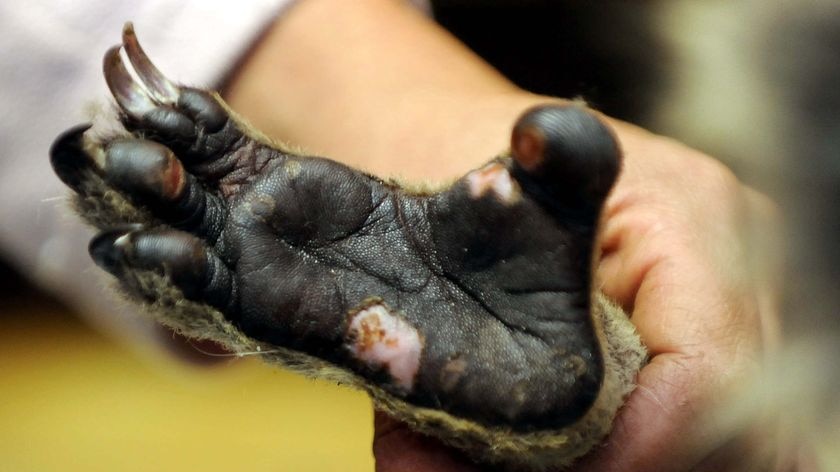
(468, 311)
(680, 230)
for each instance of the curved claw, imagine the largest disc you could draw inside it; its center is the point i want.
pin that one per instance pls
(68, 158)
(101, 247)
(161, 88)
(131, 97)
(182, 257)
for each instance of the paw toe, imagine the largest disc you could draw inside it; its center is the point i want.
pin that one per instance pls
(183, 258)
(567, 154)
(153, 176)
(192, 120)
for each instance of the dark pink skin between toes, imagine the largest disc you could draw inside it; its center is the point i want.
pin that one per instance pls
(474, 300)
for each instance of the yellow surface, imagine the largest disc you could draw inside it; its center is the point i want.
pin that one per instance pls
(72, 400)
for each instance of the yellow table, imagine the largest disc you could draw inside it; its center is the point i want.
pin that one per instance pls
(70, 400)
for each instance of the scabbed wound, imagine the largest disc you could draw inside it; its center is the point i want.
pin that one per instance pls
(384, 340)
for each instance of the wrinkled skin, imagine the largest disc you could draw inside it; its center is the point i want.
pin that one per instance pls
(489, 279)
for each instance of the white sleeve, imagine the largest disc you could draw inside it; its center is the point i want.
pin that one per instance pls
(51, 58)
(50, 72)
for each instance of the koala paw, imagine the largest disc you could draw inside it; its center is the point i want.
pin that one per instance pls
(469, 312)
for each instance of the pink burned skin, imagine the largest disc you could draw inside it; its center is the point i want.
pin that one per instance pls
(383, 339)
(495, 178)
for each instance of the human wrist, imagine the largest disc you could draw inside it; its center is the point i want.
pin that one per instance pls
(375, 85)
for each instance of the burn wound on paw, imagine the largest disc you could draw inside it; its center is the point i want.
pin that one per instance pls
(452, 373)
(494, 178)
(528, 146)
(384, 340)
(173, 179)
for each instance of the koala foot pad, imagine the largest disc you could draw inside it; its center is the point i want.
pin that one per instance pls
(468, 313)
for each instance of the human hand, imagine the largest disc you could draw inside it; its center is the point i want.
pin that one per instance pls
(675, 245)
(679, 246)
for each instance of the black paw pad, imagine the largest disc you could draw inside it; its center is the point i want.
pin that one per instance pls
(145, 168)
